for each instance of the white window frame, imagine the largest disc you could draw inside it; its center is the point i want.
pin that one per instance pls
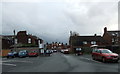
(84, 42)
(113, 40)
(16, 41)
(93, 42)
(29, 40)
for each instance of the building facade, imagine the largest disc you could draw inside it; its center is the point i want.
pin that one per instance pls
(7, 41)
(86, 41)
(108, 40)
(22, 39)
(112, 37)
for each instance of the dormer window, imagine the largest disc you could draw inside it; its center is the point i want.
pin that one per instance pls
(113, 34)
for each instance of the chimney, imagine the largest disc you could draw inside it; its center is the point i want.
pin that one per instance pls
(105, 29)
(95, 35)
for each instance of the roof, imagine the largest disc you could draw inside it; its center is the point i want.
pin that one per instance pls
(88, 38)
(114, 33)
(8, 37)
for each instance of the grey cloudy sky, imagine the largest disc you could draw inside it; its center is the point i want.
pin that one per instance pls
(53, 20)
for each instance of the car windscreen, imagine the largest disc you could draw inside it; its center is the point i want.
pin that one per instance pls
(106, 51)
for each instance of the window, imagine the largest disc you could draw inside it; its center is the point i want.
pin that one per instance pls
(15, 41)
(112, 39)
(116, 39)
(93, 42)
(29, 40)
(113, 34)
(84, 42)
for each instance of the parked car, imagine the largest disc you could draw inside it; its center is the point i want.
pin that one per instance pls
(23, 54)
(33, 53)
(48, 52)
(62, 51)
(78, 51)
(12, 54)
(104, 55)
(54, 50)
(66, 51)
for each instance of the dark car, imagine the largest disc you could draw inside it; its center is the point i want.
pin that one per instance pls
(104, 55)
(48, 52)
(33, 53)
(12, 54)
(78, 51)
(23, 54)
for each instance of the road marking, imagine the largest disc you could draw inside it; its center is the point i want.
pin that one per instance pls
(17, 61)
(8, 64)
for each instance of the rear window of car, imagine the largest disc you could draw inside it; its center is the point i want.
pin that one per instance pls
(106, 51)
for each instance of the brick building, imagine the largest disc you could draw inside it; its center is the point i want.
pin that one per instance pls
(23, 38)
(110, 40)
(112, 37)
(86, 41)
(58, 46)
(7, 41)
(19, 40)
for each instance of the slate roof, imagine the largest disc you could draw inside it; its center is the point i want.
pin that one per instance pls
(114, 33)
(88, 38)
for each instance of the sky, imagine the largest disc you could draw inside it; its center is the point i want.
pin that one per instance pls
(52, 20)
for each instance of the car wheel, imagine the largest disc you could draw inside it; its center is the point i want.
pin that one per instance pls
(7, 56)
(103, 60)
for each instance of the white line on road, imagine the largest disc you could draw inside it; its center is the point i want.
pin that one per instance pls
(8, 64)
(17, 61)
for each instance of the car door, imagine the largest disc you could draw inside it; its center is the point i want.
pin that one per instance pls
(94, 53)
(99, 54)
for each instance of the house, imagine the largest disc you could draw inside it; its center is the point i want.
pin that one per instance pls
(19, 40)
(77, 41)
(56, 45)
(86, 41)
(7, 41)
(23, 38)
(112, 37)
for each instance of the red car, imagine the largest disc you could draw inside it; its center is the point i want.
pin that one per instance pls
(104, 55)
(33, 53)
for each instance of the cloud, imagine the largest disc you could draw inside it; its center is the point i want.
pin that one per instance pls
(53, 21)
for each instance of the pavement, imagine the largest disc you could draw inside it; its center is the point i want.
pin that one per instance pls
(57, 62)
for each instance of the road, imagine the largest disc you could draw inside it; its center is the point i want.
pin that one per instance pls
(58, 62)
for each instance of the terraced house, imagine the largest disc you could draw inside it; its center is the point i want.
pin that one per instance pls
(19, 40)
(112, 37)
(109, 39)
